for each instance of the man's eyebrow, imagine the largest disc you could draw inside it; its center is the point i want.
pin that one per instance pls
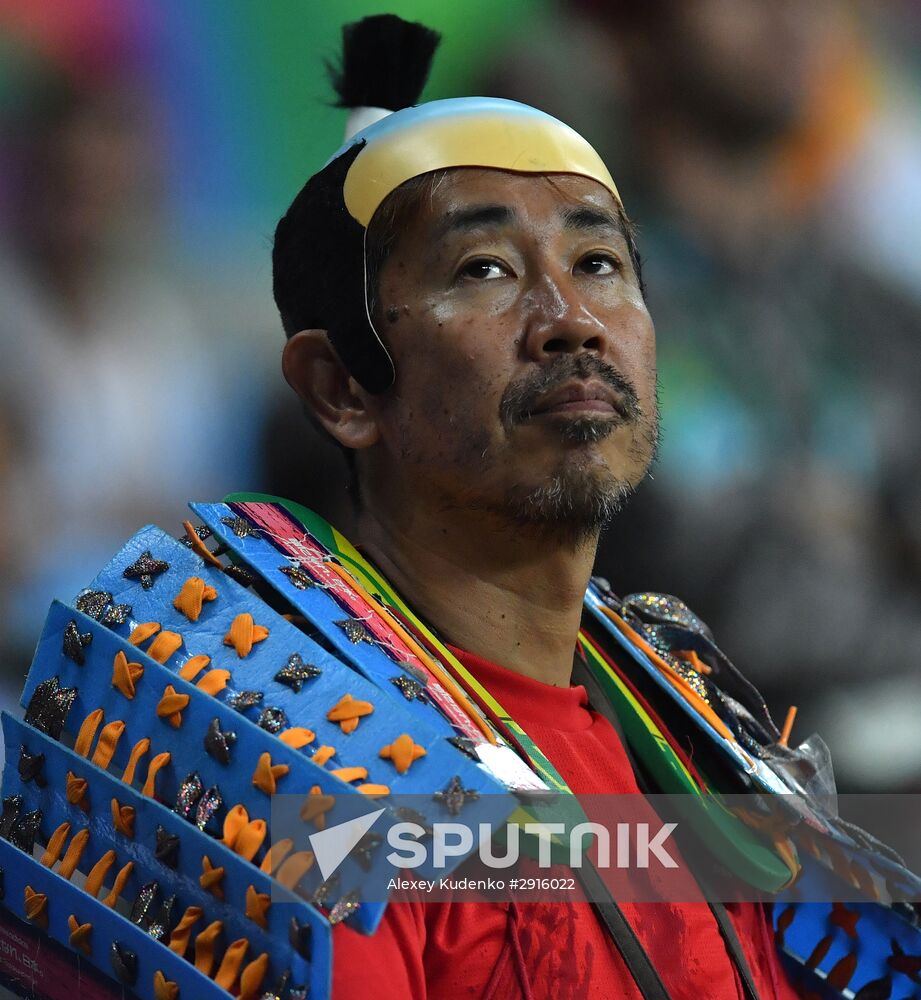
(476, 217)
(588, 218)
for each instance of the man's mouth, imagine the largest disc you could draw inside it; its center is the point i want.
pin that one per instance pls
(578, 398)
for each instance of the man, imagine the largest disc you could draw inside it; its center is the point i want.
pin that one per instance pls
(522, 412)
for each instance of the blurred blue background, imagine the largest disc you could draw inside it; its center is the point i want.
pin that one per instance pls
(770, 156)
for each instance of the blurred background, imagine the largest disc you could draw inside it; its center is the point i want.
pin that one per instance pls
(771, 156)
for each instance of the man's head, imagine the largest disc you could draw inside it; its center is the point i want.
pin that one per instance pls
(512, 308)
(462, 295)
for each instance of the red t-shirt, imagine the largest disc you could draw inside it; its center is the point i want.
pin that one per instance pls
(551, 951)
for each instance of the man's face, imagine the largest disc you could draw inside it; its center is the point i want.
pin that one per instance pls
(524, 352)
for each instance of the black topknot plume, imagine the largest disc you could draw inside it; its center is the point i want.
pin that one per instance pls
(385, 62)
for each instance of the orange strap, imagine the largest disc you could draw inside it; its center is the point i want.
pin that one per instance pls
(190, 599)
(294, 868)
(137, 752)
(205, 945)
(211, 878)
(257, 906)
(108, 743)
(193, 666)
(347, 711)
(297, 737)
(36, 905)
(79, 934)
(266, 775)
(125, 675)
(199, 547)
(322, 754)
(244, 634)
(276, 854)
(163, 647)
(214, 681)
(120, 879)
(672, 676)
(55, 845)
(87, 732)
(350, 773)
(141, 633)
(171, 705)
(252, 976)
(164, 989)
(98, 872)
(787, 726)
(229, 968)
(76, 791)
(74, 853)
(179, 938)
(315, 807)
(123, 818)
(374, 791)
(251, 839)
(403, 751)
(234, 823)
(150, 785)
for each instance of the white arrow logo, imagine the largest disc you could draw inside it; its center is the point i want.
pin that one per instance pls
(332, 846)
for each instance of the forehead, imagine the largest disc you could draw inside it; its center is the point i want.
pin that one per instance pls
(532, 197)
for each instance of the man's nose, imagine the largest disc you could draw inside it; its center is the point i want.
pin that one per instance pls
(559, 321)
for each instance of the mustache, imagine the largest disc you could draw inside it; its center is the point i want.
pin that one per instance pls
(521, 398)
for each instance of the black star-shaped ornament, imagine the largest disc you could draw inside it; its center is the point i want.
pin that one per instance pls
(218, 742)
(244, 576)
(12, 805)
(207, 806)
(296, 672)
(75, 642)
(272, 719)
(116, 614)
(163, 923)
(409, 687)
(299, 577)
(409, 815)
(167, 849)
(344, 907)
(98, 605)
(190, 791)
(365, 847)
(93, 602)
(203, 532)
(283, 990)
(455, 796)
(324, 890)
(242, 700)
(145, 568)
(240, 527)
(49, 705)
(465, 745)
(354, 630)
(124, 963)
(144, 902)
(31, 766)
(300, 937)
(25, 830)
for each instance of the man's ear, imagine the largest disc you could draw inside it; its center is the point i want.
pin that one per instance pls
(314, 371)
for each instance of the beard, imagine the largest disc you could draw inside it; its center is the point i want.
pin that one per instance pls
(576, 502)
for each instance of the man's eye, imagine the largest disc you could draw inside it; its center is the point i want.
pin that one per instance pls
(483, 269)
(599, 263)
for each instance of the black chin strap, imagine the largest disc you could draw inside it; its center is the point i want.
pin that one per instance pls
(622, 934)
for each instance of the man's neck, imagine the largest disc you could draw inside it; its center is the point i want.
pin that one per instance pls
(495, 591)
